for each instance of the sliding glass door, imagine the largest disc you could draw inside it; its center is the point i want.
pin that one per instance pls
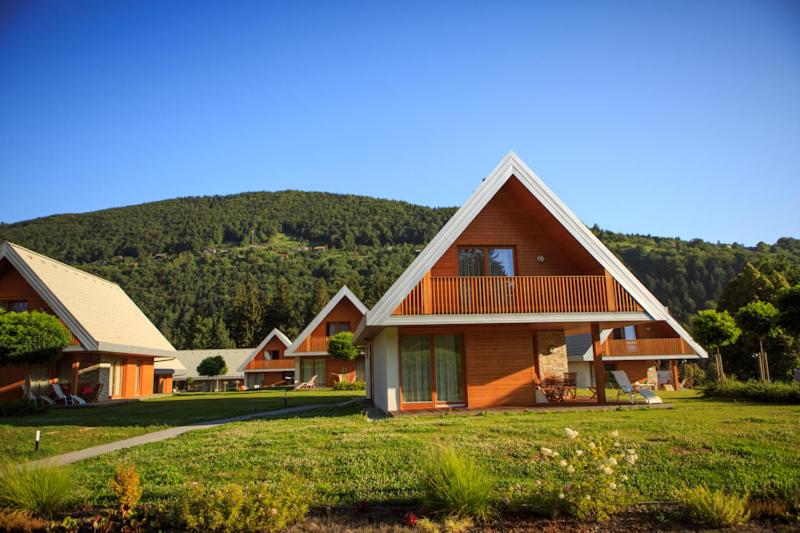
(432, 369)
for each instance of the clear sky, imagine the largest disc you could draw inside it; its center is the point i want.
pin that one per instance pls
(672, 118)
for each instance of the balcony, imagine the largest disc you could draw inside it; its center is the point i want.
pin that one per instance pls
(617, 347)
(273, 364)
(314, 344)
(457, 295)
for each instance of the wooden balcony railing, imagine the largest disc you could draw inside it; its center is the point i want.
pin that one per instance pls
(272, 364)
(516, 294)
(647, 347)
(314, 344)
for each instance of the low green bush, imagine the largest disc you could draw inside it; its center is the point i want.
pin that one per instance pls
(754, 391)
(41, 490)
(350, 385)
(713, 508)
(587, 480)
(456, 485)
(253, 507)
(20, 408)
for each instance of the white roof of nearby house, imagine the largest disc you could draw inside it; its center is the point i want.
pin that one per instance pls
(272, 334)
(191, 359)
(512, 166)
(98, 312)
(344, 292)
(167, 364)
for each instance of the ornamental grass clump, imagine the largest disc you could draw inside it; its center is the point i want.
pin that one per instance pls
(454, 484)
(714, 508)
(42, 490)
(588, 479)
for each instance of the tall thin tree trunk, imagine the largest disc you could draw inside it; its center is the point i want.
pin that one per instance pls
(720, 370)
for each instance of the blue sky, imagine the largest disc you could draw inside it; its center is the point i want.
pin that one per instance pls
(674, 119)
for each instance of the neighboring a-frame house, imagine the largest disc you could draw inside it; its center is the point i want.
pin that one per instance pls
(268, 364)
(310, 349)
(481, 317)
(113, 343)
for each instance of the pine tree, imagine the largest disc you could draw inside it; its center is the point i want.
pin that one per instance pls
(246, 316)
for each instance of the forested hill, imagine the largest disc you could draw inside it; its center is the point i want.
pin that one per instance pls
(208, 268)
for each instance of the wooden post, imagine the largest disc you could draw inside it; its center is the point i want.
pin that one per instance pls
(427, 294)
(599, 371)
(611, 295)
(673, 365)
(76, 366)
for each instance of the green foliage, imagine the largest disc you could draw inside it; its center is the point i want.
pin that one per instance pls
(777, 499)
(693, 373)
(714, 329)
(212, 366)
(127, 487)
(788, 302)
(757, 318)
(714, 508)
(341, 346)
(754, 391)
(454, 484)
(590, 481)
(253, 507)
(350, 385)
(31, 337)
(41, 490)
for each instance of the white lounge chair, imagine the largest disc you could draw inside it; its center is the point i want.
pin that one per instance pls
(310, 384)
(68, 399)
(625, 387)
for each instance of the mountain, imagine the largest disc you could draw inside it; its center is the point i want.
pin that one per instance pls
(200, 266)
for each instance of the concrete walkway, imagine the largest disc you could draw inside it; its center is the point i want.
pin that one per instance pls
(156, 436)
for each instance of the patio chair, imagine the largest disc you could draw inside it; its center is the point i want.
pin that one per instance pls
(94, 394)
(625, 387)
(570, 387)
(310, 384)
(340, 378)
(67, 399)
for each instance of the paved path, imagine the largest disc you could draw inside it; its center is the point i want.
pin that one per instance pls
(156, 436)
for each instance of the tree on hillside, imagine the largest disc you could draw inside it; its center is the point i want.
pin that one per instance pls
(212, 367)
(30, 338)
(714, 329)
(758, 319)
(247, 315)
(788, 302)
(209, 333)
(282, 311)
(753, 283)
(319, 298)
(341, 346)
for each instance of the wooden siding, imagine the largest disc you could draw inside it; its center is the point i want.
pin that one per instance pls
(499, 367)
(274, 364)
(260, 358)
(516, 294)
(616, 347)
(14, 287)
(344, 311)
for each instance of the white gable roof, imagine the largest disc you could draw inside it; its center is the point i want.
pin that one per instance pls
(509, 166)
(97, 311)
(344, 292)
(274, 333)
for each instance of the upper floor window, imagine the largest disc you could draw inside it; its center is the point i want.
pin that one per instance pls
(17, 306)
(486, 261)
(274, 354)
(332, 328)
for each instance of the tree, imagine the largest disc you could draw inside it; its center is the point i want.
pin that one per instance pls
(212, 367)
(29, 338)
(789, 305)
(247, 315)
(714, 329)
(758, 319)
(341, 346)
(319, 297)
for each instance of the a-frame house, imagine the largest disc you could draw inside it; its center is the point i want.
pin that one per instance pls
(481, 317)
(268, 365)
(343, 312)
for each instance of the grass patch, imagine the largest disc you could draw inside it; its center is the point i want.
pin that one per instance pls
(347, 459)
(456, 485)
(40, 491)
(67, 429)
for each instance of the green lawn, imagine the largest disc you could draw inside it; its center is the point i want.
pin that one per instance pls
(347, 458)
(69, 429)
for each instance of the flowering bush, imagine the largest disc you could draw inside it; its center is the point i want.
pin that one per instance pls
(591, 479)
(253, 507)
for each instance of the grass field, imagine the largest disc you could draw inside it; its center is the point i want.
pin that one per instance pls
(68, 429)
(347, 459)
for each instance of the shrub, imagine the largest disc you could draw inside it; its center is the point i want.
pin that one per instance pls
(713, 508)
(350, 385)
(776, 500)
(590, 483)
(456, 485)
(253, 507)
(127, 487)
(41, 490)
(20, 408)
(754, 391)
(693, 374)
